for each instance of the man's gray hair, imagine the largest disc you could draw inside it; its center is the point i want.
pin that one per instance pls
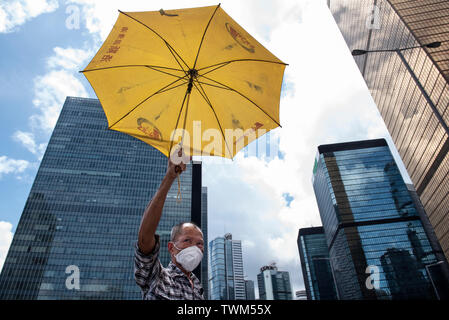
(176, 230)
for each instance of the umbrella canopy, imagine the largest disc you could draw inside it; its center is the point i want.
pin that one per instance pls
(190, 77)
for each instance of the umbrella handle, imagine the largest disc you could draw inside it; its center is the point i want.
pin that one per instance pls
(178, 169)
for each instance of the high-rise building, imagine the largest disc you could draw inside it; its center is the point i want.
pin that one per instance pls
(204, 228)
(315, 264)
(249, 289)
(82, 216)
(274, 284)
(410, 87)
(371, 224)
(226, 280)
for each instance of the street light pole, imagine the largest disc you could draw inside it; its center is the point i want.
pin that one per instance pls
(358, 52)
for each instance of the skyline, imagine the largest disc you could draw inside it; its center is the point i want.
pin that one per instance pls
(276, 193)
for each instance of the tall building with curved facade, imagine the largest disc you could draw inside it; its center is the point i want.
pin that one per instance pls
(410, 87)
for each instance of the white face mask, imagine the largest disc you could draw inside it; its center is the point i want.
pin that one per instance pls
(189, 258)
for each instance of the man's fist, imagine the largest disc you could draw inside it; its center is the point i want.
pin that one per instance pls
(177, 163)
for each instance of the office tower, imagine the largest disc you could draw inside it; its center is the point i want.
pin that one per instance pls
(226, 280)
(371, 223)
(204, 264)
(316, 268)
(301, 295)
(439, 272)
(82, 215)
(274, 284)
(410, 87)
(249, 289)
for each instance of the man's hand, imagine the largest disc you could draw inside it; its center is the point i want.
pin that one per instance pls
(174, 169)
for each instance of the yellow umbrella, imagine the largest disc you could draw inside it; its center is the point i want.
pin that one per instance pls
(190, 77)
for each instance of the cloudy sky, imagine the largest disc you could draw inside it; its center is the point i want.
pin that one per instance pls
(261, 201)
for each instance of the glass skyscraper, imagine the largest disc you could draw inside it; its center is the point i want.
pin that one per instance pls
(249, 288)
(84, 210)
(204, 265)
(371, 223)
(274, 284)
(316, 268)
(410, 87)
(226, 280)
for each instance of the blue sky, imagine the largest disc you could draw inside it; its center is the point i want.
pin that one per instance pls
(324, 100)
(23, 57)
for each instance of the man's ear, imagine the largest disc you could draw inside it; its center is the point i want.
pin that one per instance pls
(170, 246)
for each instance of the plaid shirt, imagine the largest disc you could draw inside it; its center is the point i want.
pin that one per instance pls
(159, 283)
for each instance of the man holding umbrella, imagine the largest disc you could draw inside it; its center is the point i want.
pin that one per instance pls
(186, 247)
(163, 71)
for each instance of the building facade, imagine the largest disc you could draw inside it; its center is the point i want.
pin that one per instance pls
(371, 224)
(226, 280)
(249, 289)
(410, 87)
(75, 238)
(315, 264)
(274, 284)
(204, 228)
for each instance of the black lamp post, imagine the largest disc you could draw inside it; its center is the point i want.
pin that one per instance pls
(359, 52)
(436, 44)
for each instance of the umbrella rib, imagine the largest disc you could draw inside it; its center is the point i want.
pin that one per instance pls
(140, 103)
(179, 77)
(137, 65)
(243, 60)
(177, 121)
(165, 41)
(229, 88)
(206, 98)
(220, 66)
(131, 65)
(179, 85)
(213, 85)
(174, 56)
(204, 34)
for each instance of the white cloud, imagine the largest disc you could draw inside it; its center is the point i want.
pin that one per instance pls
(5, 240)
(8, 165)
(50, 92)
(14, 13)
(68, 58)
(27, 139)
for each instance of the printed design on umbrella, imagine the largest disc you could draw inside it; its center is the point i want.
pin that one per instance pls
(149, 129)
(241, 40)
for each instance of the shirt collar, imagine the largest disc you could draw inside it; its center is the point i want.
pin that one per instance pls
(176, 272)
(174, 269)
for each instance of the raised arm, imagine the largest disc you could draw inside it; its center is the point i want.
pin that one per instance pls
(153, 211)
